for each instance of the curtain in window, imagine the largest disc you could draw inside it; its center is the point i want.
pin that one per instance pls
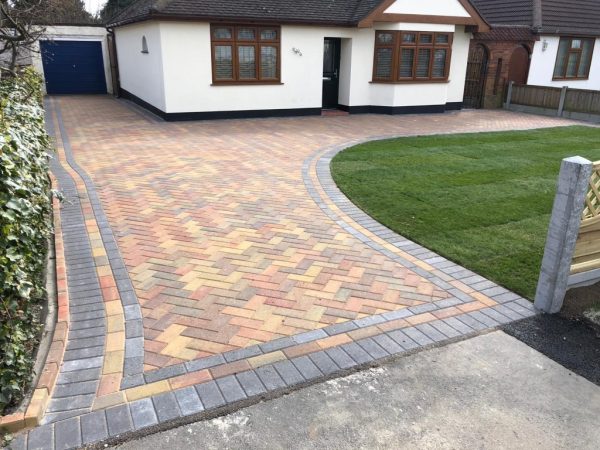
(383, 68)
(268, 62)
(223, 62)
(561, 59)
(586, 59)
(423, 62)
(247, 62)
(407, 57)
(439, 63)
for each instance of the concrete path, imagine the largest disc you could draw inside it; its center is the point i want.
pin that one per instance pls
(209, 265)
(491, 391)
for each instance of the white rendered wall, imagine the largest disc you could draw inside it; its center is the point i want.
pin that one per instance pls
(428, 8)
(75, 33)
(543, 62)
(186, 59)
(142, 73)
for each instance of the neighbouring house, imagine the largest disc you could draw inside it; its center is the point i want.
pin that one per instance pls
(537, 42)
(201, 59)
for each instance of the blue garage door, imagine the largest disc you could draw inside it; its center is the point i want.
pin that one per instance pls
(73, 67)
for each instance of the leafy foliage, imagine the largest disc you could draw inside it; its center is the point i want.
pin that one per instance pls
(25, 226)
(113, 7)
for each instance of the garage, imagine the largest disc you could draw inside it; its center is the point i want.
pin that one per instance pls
(73, 67)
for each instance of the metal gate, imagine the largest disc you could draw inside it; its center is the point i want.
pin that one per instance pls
(477, 68)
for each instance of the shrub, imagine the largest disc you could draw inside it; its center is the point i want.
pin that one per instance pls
(25, 227)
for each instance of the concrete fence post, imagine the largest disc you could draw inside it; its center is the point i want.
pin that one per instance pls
(509, 94)
(573, 181)
(561, 102)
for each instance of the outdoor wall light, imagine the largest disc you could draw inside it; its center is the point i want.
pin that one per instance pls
(544, 45)
(297, 51)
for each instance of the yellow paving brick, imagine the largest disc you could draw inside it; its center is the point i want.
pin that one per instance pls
(113, 308)
(115, 323)
(106, 401)
(267, 358)
(115, 341)
(113, 362)
(177, 348)
(170, 333)
(334, 341)
(483, 299)
(147, 390)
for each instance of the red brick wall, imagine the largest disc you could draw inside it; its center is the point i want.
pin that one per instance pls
(495, 84)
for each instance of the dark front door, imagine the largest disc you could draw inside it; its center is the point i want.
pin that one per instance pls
(331, 72)
(73, 67)
(477, 67)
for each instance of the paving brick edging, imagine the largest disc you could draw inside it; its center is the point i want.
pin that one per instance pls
(40, 398)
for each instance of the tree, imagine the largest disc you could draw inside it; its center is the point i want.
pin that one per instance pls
(53, 12)
(112, 7)
(22, 24)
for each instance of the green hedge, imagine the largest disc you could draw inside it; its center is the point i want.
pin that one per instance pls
(25, 226)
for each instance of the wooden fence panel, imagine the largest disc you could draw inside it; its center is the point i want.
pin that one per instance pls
(540, 96)
(587, 247)
(583, 101)
(576, 100)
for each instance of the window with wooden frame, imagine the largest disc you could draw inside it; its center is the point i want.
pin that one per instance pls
(411, 56)
(245, 54)
(574, 58)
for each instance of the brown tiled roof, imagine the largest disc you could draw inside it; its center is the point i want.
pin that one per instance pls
(326, 12)
(578, 17)
(507, 33)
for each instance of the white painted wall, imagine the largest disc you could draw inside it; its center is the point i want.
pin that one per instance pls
(75, 33)
(543, 62)
(186, 63)
(142, 73)
(428, 7)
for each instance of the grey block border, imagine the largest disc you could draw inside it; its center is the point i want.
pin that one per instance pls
(134, 344)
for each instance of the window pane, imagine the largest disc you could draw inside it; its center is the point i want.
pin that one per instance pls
(442, 39)
(383, 68)
(246, 34)
(439, 63)
(268, 62)
(223, 62)
(586, 59)
(576, 43)
(385, 38)
(247, 62)
(407, 57)
(222, 33)
(423, 62)
(268, 35)
(561, 59)
(409, 38)
(425, 39)
(572, 65)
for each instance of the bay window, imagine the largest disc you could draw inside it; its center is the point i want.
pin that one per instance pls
(403, 56)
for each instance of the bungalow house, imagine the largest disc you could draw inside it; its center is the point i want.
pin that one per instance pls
(537, 42)
(200, 59)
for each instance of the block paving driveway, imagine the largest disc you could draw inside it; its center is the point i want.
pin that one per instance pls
(212, 263)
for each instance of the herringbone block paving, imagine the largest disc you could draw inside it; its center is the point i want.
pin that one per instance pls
(223, 244)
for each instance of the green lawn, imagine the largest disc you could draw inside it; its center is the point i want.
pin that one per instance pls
(482, 200)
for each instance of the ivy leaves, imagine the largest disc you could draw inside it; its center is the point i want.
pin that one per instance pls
(25, 227)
